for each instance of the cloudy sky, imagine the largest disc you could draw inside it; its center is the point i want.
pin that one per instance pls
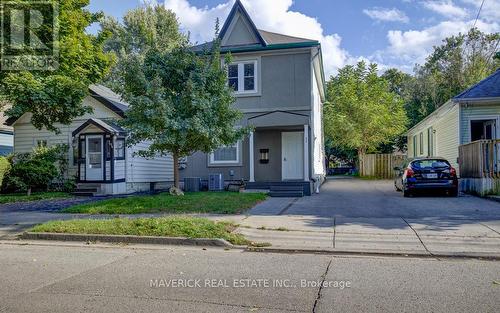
(393, 33)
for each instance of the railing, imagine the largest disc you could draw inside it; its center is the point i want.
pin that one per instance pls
(379, 165)
(480, 159)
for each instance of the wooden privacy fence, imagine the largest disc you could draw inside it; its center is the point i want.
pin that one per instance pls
(480, 159)
(379, 165)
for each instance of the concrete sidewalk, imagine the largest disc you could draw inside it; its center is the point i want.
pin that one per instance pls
(376, 235)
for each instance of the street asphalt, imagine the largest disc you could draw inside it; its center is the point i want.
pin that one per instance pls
(64, 278)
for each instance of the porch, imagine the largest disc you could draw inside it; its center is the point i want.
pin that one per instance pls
(279, 160)
(479, 163)
(99, 154)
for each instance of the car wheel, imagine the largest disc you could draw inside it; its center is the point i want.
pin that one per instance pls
(453, 192)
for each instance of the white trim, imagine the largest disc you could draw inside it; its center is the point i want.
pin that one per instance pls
(306, 152)
(251, 159)
(237, 161)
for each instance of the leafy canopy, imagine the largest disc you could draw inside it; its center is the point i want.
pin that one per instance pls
(362, 112)
(180, 102)
(55, 96)
(458, 63)
(143, 28)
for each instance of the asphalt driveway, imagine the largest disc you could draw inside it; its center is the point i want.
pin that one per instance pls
(348, 197)
(370, 216)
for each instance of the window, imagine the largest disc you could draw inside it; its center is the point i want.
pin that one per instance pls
(430, 141)
(120, 149)
(228, 154)
(41, 143)
(421, 144)
(242, 77)
(414, 145)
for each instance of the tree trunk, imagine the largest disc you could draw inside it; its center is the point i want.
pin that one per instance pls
(176, 170)
(29, 191)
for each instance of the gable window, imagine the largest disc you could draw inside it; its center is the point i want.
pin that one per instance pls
(226, 155)
(242, 76)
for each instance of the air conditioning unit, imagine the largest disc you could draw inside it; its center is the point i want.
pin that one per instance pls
(215, 182)
(192, 184)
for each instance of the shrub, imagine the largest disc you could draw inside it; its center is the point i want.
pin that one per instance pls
(35, 170)
(4, 167)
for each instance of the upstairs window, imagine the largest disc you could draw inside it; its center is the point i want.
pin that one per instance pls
(242, 76)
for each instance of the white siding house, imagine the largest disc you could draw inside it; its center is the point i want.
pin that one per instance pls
(437, 135)
(98, 155)
(471, 116)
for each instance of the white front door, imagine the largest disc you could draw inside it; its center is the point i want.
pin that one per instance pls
(94, 158)
(292, 155)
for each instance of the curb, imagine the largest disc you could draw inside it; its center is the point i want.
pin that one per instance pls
(493, 198)
(434, 255)
(182, 241)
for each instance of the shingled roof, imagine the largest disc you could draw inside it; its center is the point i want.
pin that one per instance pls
(486, 89)
(265, 40)
(102, 94)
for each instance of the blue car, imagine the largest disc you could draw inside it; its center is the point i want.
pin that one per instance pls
(427, 174)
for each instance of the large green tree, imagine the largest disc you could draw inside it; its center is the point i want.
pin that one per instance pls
(455, 65)
(180, 102)
(55, 95)
(362, 112)
(143, 28)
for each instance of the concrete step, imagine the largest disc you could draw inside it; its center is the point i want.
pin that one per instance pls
(287, 188)
(83, 193)
(287, 194)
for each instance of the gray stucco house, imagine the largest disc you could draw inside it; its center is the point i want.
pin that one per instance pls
(279, 86)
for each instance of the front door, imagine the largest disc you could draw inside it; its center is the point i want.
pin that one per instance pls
(292, 150)
(94, 158)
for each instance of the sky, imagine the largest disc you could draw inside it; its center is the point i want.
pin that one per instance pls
(391, 33)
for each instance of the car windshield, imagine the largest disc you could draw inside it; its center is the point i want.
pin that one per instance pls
(423, 164)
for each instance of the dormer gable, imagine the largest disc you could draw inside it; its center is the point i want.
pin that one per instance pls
(239, 29)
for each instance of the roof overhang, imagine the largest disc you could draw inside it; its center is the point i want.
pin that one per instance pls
(102, 125)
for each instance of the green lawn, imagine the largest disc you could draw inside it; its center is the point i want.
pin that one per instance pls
(166, 226)
(22, 197)
(200, 202)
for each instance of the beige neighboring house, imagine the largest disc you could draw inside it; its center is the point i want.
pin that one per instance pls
(98, 155)
(471, 116)
(6, 136)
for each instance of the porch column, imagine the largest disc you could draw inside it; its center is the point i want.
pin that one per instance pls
(251, 159)
(306, 152)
